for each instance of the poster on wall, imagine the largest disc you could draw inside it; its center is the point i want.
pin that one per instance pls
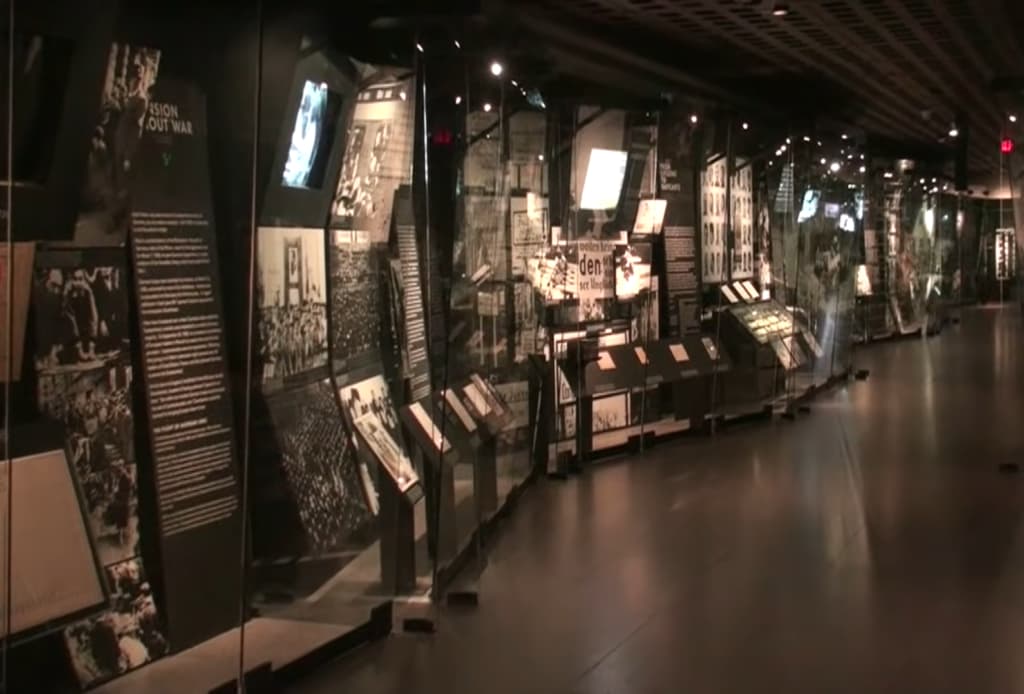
(291, 293)
(529, 215)
(84, 374)
(596, 276)
(125, 104)
(713, 222)
(378, 158)
(650, 217)
(16, 273)
(742, 192)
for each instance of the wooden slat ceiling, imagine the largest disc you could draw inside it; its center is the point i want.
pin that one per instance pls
(905, 67)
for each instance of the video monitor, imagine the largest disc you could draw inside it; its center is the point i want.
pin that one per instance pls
(632, 270)
(603, 184)
(312, 136)
(809, 208)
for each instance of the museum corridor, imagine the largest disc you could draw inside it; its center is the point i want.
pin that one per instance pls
(873, 545)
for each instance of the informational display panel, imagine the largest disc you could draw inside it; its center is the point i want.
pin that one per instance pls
(188, 399)
(415, 356)
(53, 572)
(358, 308)
(676, 185)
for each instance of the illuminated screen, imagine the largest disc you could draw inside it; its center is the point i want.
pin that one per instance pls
(312, 137)
(603, 184)
(810, 205)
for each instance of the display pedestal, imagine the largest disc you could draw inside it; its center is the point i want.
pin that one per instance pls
(485, 477)
(397, 539)
(443, 514)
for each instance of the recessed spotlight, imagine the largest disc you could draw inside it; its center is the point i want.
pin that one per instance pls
(514, 83)
(457, 44)
(693, 118)
(782, 148)
(780, 9)
(458, 100)
(953, 132)
(922, 181)
(419, 47)
(746, 126)
(807, 138)
(487, 108)
(788, 141)
(844, 136)
(887, 174)
(497, 69)
(834, 166)
(863, 169)
(1013, 118)
(824, 161)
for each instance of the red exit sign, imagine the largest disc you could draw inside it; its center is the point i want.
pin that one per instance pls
(1006, 146)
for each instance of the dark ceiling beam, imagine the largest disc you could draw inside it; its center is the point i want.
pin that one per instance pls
(820, 61)
(988, 14)
(983, 103)
(563, 34)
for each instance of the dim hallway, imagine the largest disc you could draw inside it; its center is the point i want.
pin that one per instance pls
(871, 545)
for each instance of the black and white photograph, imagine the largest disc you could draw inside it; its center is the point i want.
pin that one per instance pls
(371, 397)
(610, 412)
(743, 221)
(292, 297)
(632, 270)
(105, 209)
(321, 469)
(378, 158)
(112, 508)
(80, 316)
(95, 407)
(387, 450)
(311, 136)
(122, 638)
(358, 302)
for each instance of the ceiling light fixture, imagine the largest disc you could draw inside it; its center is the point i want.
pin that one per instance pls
(863, 169)
(694, 119)
(746, 126)
(487, 108)
(497, 69)
(844, 136)
(419, 47)
(457, 44)
(1013, 118)
(458, 100)
(824, 161)
(835, 166)
(780, 9)
(953, 132)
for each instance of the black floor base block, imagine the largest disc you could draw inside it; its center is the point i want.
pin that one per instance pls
(463, 598)
(418, 625)
(1009, 468)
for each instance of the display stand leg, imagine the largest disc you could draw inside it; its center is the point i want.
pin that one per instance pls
(584, 430)
(441, 531)
(485, 478)
(397, 540)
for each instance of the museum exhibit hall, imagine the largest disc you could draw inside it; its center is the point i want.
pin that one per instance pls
(505, 346)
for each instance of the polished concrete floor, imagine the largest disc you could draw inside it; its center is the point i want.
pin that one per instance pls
(873, 545)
